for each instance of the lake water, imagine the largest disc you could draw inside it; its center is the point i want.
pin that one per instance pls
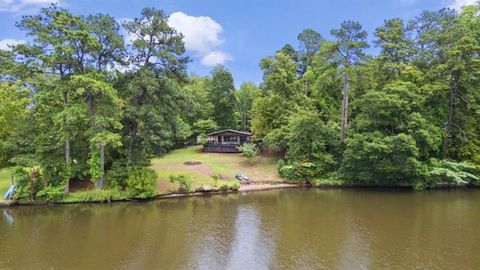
(282, 229)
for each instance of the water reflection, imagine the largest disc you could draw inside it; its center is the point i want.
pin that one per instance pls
(7, 214)
(290, 229)
(355, 246)
(251, 249)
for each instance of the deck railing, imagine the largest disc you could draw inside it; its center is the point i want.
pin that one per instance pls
(221, 148)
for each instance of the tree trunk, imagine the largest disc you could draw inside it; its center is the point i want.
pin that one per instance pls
(343, 128)
(101, 180)
(68, 157)
(133, 135)
(450, 114)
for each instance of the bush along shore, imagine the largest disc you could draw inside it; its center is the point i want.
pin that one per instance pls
(112, 195)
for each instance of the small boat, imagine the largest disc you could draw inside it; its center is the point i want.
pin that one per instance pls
(9, 193)
(242, 177)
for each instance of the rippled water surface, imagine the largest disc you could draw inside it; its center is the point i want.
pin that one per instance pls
(287, 229)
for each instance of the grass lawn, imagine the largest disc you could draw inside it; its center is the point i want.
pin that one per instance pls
(225, 165)
(4, 182)
(262, 169)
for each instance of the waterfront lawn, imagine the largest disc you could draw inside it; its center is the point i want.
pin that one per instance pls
(263, 168)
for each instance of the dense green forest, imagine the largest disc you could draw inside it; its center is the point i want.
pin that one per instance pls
(79, 103)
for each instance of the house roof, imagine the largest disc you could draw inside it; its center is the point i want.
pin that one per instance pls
(230, 130)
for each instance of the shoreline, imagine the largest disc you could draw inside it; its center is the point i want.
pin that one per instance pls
(243, 189)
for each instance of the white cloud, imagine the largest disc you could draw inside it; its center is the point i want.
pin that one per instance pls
(458, 4)
(216, 57)
(202, 36)
(201, 33)
(6, 43)
(18, 5)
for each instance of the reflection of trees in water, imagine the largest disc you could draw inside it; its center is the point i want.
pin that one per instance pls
(293, 229)
(8, 216)
(252, 247)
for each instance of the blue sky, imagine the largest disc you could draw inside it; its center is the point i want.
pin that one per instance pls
(235, 33)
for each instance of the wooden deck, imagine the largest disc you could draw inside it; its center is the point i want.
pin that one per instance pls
(221, 148)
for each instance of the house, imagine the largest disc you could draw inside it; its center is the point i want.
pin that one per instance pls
(226, 141)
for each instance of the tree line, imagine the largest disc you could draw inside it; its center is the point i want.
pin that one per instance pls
(79, 103)
(407, 116)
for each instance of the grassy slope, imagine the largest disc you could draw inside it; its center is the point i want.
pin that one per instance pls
(227, 165)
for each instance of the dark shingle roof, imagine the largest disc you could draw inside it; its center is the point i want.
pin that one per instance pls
(230, 130)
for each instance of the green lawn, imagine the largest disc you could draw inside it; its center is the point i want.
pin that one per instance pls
(4, 182)
(262, 169)
(227, 165)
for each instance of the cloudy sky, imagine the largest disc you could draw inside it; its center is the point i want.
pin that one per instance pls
(238, 33)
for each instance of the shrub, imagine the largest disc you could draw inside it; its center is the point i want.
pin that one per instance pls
(224, 187)
(249, 150)
(28, 183)
(280, 164)
(141, 182)
(235, 187)
(287, 172)
(215, 179)
(304, 171)
(204, 126)
(51, 194)
(452, 171)
(183, 180)
(117, 176)
(106, 195)
(202, 139)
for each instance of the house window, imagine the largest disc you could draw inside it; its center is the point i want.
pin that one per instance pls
(230, 139)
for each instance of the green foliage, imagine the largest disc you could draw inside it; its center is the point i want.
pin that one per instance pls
(451, 171)
(51, 194)
(309, 140)
(141, 182)
(297, 172)
(280, 164)
(393, 138)
(374, 158)
(94, 166)
(205, 126)
(183, 180)
(215, 177)
(13, 110)
(37, 184)
(28, 183)
(223, 98)
(118, 174)
(106, 195)
(249, 150)
(310, 42)
(351, 41)
(235, 187)
(224, 188)
(245, 97)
